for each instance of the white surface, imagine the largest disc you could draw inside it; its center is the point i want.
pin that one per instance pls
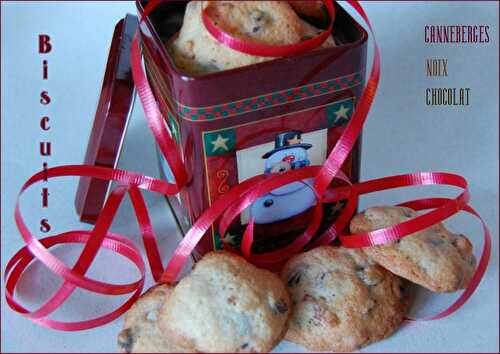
(401, 135)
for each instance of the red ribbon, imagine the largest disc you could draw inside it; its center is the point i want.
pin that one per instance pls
(227, 207)
(153, 115)
(266, 50)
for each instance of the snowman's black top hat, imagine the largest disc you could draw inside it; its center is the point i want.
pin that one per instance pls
(287, 140)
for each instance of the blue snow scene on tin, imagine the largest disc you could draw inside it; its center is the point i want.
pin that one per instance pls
(289, 153)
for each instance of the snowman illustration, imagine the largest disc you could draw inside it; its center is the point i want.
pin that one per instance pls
(289, 153)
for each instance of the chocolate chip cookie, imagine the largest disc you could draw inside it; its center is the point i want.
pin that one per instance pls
(434, 258)
(196, 51)
(226, 305)
(341, 299)
(140, 332)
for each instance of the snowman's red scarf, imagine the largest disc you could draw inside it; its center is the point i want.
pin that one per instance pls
(227, 207)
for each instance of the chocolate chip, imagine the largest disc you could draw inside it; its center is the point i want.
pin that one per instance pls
(435, 241)
(231, 300)
(256, 29)
(280, 307)
(257, 15)
(245, 345)
(323, 276)
(314, 322)
(307, 297)
(294, 279)
(455, 242)
(126, 340)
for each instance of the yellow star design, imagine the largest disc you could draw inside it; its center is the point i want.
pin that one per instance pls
(220, 143)
(295, 140)
(342, 112)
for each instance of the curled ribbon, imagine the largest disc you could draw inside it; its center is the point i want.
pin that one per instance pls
(266, 50)
(226, 208)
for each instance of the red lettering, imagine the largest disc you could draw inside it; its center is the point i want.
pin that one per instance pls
(45, 148)
(44, 45)
(44, 225)
(45, 197)
(45, 171)
(44, 123)
(44, 98)
(45, 70)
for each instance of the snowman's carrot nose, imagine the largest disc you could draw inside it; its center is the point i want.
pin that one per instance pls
(289, 158)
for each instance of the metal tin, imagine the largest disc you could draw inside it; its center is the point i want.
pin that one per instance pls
(246, 108)
(233, 124)
(110, 122)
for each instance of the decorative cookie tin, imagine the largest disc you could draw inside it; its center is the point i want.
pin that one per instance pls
(232, 125)
(264, 118)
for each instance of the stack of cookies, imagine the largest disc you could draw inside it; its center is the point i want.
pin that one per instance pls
(344, 299)
(224, 305)
(195, 51)
(327, 299)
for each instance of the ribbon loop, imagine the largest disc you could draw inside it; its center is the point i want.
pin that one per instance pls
(266, 50)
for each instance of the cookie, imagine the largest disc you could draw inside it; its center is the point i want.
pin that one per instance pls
(309, 31)
(341, 299)
(140, 332)
(268, 22)
(311, 8)
(434, 258)
(226, 305)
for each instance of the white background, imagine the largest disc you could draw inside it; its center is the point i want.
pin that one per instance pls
(401, 135)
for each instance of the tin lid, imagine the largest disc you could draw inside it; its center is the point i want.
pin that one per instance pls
(110, 123)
